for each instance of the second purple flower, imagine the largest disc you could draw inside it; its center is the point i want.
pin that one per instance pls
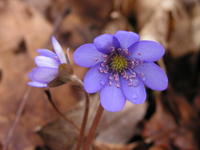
(120, 65)
(48, 63)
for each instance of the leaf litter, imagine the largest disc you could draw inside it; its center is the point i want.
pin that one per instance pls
(168, 120)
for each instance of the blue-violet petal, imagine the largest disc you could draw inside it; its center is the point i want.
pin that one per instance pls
(59, 51)
(112, 98)
(37, 84)
(46, 52)
(94, 80)
(148, 51)
(134, 93)
(43, 61)
(87, 55)
(43, 74)
(153, 76)
(126, 38)
(104, 43)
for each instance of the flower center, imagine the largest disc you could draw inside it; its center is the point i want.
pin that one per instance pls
(118, 63)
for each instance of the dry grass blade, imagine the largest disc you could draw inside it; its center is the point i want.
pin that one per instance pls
(17, 118)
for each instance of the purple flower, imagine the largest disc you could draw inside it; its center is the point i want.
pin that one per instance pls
(120, 65)
(47, 63)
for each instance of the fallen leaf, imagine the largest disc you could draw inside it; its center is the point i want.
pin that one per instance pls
(107, 146)
(119, 127)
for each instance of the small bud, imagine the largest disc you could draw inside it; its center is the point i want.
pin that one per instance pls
(53, 67)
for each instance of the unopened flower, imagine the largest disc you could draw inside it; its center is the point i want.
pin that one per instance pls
(49, 65)
(120, 65)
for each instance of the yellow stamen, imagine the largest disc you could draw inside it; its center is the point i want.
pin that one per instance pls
(118, 63)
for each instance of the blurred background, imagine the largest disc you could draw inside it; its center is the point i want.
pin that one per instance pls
(167, 121)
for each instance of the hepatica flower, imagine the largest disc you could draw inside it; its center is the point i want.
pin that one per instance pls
(120, 67)
(48, 64)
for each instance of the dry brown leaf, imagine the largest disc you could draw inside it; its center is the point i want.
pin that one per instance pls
(196, 24)
(184, 140)
(157, 26)
(59, 134)
(141, 9)
(23, 30)
(159, 127)
(181, 40)
(158, 148)
(93, 9)
(107, 146)
(197, 103)
(76, 32)
(24, 25)
(42, 6)
(169, 23)
(174, 124)
(185, 113)
(118, 22)
(119, 127)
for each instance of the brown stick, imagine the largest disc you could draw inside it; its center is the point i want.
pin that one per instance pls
(93, 128)
(49, 96)
(84, 123)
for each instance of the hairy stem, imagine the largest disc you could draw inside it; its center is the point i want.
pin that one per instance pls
(49, 96)
(93, 128)
(84, 123)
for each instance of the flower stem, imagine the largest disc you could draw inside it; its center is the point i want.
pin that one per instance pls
(49, 96)
(84, 122)
(93, 128)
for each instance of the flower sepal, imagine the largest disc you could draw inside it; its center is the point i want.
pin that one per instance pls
(65, 71)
